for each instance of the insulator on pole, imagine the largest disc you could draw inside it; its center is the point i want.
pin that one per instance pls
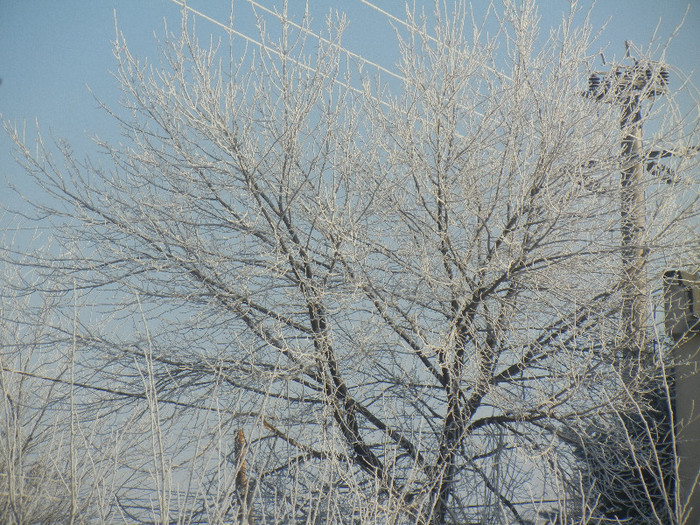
(593, 83)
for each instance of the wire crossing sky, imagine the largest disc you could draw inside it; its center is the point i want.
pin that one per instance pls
(56, 57)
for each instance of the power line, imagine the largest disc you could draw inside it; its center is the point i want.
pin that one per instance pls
(414, 28)
(308, 31)
(231, 30)
(398, 20)
(285, 20)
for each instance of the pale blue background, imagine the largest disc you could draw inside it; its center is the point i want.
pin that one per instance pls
(52, 50)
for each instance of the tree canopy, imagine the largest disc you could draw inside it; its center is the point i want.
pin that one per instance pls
(394, 301)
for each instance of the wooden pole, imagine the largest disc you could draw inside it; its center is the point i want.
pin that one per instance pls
(634, 253)
(245, 498)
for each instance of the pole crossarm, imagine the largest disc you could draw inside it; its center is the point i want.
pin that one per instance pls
(651, 160)
(665, 173)
(646, 77)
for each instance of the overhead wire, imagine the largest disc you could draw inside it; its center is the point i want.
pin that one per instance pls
(422, 33)
(229, 29)
(398, 20)
(344, 50)
(285, 20)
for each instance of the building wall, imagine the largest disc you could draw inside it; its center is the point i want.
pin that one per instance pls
(682, 298)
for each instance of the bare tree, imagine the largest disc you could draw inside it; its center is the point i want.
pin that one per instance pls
(406, 293)
(47, 474)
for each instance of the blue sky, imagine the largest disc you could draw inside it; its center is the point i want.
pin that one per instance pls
(51, 51)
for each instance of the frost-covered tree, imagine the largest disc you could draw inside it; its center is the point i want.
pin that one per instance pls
(406, 291)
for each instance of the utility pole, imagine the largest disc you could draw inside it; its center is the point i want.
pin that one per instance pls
(628, 86)
(632, 230)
